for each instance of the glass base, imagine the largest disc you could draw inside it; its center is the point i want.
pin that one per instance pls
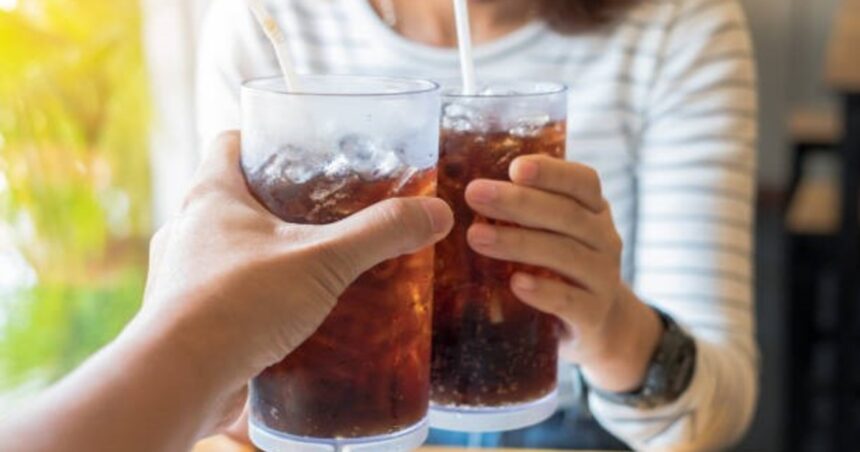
(403, 441)
(493, 419)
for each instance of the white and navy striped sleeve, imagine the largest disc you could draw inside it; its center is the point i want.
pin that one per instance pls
(693, 240)
(230, 53)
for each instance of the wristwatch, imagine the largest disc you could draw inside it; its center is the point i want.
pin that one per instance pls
(669, 372)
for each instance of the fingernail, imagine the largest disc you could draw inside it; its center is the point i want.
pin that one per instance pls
(527, 171)
(439, 214)
(524, 282)
(483, 192)
(482, 235)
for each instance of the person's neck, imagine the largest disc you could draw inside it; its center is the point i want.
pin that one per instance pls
(431, 22)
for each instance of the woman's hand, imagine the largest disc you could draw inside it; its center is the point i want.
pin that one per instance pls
(568, 228)
(247, 288)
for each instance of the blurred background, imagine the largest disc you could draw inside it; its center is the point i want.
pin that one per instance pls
(97, 140)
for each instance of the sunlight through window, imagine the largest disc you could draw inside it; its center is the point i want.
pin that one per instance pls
(8, 5)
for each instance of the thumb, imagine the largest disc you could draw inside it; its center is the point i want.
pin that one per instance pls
(221, 163)
(220, 173)
(390, 229)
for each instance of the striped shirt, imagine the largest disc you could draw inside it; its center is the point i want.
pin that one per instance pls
(662, 105)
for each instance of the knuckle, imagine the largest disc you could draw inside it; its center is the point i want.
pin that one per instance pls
(336, 265)
(566, 302)
(595, 185)
(568, 297)
(398, 212)
(228, 139)
(157, 240)
(616, 243)
(517, 239)
(405, 220)
(199, 193)
(574, 213)
(572, 249)
(516, 196)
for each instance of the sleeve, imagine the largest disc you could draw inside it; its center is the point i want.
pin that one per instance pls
(693, 247)
(231, 51)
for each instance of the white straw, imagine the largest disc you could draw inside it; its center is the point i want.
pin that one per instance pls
(278, 40)
(464, 37)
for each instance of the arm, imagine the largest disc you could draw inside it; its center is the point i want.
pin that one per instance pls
(146, 391)
(693, 251)
(694, 248)
(231, 291)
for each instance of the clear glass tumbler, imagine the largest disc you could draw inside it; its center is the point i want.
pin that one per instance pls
(495, 359)
(315, 156)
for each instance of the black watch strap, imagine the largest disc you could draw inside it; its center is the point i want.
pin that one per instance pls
(669, 373)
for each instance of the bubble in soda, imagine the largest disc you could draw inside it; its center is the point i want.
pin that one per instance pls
(489, 349)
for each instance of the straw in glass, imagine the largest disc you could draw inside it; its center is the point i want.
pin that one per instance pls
(279, 42)
(464, 38)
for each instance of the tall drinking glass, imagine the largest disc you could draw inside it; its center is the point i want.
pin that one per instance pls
(340, 144)
(494, 358)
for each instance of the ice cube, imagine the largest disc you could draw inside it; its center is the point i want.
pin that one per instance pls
(357, 147)
(340, 165)
(367, 157)
(323, 192)
(463, 118)
(402, 179)
(292, 163)
(530, 126)
(362, 153)
(505, 151)
(389, 162)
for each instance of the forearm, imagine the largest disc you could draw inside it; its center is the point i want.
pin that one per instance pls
(712, 414)
(145, 392)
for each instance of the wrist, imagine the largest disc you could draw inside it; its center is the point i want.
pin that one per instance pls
(195, 357)
(631, 339)
(205, 334)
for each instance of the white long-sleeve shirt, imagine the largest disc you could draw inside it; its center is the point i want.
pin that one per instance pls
(662, 104)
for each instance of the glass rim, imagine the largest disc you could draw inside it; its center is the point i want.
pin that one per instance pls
(553, 88)
(422, 86)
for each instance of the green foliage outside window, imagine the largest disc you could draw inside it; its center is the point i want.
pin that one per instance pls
(74, 179)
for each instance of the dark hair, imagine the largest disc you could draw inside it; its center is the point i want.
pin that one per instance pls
(578, 15)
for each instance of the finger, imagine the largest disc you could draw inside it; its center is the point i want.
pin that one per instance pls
(535, 208)
(238, 430)
(572, 304)
(222, 160)
(389, 229)
(157, 248)
(559, 176)
(220, 170)
(558, 253)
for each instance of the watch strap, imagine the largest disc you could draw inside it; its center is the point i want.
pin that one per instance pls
(669, 372)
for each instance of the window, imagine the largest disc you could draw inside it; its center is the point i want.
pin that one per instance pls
(74, 181)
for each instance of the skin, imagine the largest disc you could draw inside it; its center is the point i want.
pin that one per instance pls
(231, 290)
(611, 334)
(209, 322)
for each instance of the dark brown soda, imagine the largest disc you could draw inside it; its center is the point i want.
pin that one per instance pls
(489, 349)
(365, 371)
